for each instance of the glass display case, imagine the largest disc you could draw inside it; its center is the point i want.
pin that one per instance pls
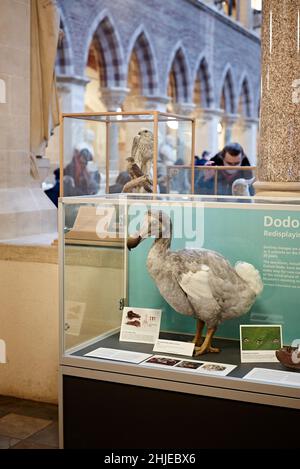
(142, 278)
(95, 148)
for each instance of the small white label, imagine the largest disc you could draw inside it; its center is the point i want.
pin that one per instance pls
(274, 376)
(118, 355)
(174, 346)
(2, 351)
(2, 92)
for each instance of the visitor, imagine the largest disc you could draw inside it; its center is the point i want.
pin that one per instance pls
(121, 180)
(53, 192)
(199, 174)
(77, 179)
(232, 155)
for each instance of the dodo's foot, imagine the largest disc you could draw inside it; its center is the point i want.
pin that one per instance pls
(197, 341)
(206, 347)
(202, 350)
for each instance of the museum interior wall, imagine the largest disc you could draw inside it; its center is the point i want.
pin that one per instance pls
(187, 76)
(29, 311)
(24, 209)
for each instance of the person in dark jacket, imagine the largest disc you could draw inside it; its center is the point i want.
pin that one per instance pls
(53, 192)
(199, 175)
(234, 156)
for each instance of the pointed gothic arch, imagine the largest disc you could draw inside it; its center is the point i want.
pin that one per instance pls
(244, 105)
(64, 64)
(227, 96)
(141, 52)
(107, 44)
(203, 89)
(179, 82)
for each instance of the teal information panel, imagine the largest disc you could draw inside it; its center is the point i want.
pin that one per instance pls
(266, 236)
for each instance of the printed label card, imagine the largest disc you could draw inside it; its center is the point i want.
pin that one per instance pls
(140, 325)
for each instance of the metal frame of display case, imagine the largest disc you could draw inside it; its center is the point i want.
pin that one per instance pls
(105, 117)
(224, 389)
(173, 168)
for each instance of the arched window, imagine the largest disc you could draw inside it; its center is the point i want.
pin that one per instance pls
(142, 65)
(178, 78)
(244, 104)
(202, 87)
(109, 52)
(227, 95)
(134, 75)
(64, 62)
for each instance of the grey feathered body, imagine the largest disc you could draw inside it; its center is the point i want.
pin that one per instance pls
(218, 293)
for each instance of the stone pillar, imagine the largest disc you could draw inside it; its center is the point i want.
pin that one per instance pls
(184, 149)
(113, 99)
(156, 103)
(207, 121)
(71, 95)
(24, 208)
(245, 133)
(145, 103)
(279, 147)
(245, 13)
(228, 122)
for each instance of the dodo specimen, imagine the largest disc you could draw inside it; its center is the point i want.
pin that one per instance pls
(197, 282)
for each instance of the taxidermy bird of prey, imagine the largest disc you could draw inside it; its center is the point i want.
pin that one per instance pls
(197, 282)
(135, 172)
(142, 151)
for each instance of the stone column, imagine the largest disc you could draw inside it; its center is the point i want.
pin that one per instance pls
(207, 121)
(146, 103)
(183, 147)
(245, 133)
(245, 13)
(156, 103)
(71, 95)
(113, 99)
(24, 208)
(228, 121)
(279, 148)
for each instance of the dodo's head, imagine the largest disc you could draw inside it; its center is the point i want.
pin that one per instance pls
(155, 224)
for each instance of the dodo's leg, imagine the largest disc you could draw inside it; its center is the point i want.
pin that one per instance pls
(198, 337)
(206, 346)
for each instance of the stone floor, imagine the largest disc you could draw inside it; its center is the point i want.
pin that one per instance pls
(27, 424)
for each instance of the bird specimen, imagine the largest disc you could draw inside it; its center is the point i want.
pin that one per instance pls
(197, 282)
(289, 357)
(135, 172)
(134, 323)
(131, 315)
(139, 164)
(240, 187)
(142, 151)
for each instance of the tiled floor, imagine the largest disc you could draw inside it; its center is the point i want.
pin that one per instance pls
(27, 424)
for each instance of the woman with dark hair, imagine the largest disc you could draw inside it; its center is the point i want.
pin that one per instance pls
(82, 181)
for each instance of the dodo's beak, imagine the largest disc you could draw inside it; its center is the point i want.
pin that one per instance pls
(133, 242)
